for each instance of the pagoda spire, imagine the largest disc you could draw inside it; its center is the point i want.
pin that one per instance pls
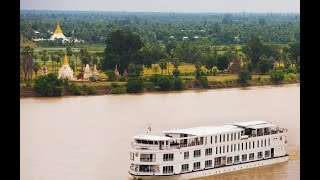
(65, 60)
(58, 29)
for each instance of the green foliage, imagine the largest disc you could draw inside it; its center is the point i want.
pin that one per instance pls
(49, 85)
(165, 83)
(134, 70)
(122, 49)
(264, 66)
(202, 82)
(88, 90)
(291, 77)
(223, 62)
(134, 85)
(74, 89)
(176, 72)
(118, 89)
(163, 65)
(244, 76)
(178, 84)
(122, 79)
(148, 85)
(277, 76)
(254, 50)
(210, 61)
(110, 74)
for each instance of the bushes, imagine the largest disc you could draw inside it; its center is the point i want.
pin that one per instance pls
(49, 85)
(244, 76)
(117, 89)
(148, 85)
(277, 76)
(178, 83)
(165, 83)
(135, 85)
(202, 82)
(88, 90)
(74, 89)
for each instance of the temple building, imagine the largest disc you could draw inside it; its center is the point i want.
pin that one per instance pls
(87, 72)
(58, 34)
(95, 71)
(65, 71)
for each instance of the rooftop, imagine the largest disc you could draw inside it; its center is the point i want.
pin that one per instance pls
(249, 123)
(205, 130)
(151, 137)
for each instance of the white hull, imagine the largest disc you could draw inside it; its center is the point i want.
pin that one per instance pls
(220, 170)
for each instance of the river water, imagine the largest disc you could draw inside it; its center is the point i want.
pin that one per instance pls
(88, 138)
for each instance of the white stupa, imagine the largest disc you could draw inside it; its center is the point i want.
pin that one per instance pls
(58, 34)
(65, 71)
(95, 71)
(87, 72)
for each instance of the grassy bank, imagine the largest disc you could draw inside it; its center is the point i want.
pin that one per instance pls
(215, 82)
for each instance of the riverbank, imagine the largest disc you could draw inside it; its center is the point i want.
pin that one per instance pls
(107, 89)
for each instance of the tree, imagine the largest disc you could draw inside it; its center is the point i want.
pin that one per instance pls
(76, 54)
(163, 64)
(253, 50)
(69, 52)
(121, 47)
(223, 62)
(277, 76)
(210, 61)
(294, 51)
(49, 85)
(264, 65)
(134, 85)
(244, 75)
(36, 68)
(44, 56)
(134, 70)
(84, 57)
(27, 62)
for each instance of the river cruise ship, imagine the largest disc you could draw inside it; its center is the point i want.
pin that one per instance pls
(208, 150)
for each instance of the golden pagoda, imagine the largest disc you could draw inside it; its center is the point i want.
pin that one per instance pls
(65, 71)
(65, 60)
(58, 34)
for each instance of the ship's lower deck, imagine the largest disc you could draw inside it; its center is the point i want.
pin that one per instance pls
(214, 171)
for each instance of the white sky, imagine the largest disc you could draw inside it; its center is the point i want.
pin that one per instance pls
(166, 5)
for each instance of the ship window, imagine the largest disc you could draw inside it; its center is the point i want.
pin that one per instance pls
(223, 148)
(227, 137)
(236, 159)
(234, 147)
(253, 144)
(211, 139)
(217, 161)
(269, 142)
(208, 163)
(215, 139)
(197, 153)
(185, 167)
(227, 148)
(267, 154)
(167, 169)
(249, 145)
(238, 146)
(251, 156)
(231, 136)
(229, 160)
(220, 138)
(246, 145)
(168, 157)
(186, 155)
(231, 147)
(265, 143)
(242, 146)
(208, 151)
(259, 155)
(196, 165)
(261, 143)
(220, 150)
(139, 141)
(216, 150)
(244, 157)
(238, 135)
(235, 136)
(224, 138)
(258, 143)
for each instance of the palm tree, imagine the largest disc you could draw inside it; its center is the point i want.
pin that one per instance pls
(163, 64)
(69, 52)
(76, 54)
(44, 56)
(35, 68)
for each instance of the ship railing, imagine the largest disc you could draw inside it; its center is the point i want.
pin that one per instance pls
(168, 159)
(147, 160)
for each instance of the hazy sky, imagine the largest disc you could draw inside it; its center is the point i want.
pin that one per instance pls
(166, 5)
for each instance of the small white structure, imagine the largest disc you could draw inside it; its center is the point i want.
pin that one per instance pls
(95, 71)
(65, 71)
(87, 73)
